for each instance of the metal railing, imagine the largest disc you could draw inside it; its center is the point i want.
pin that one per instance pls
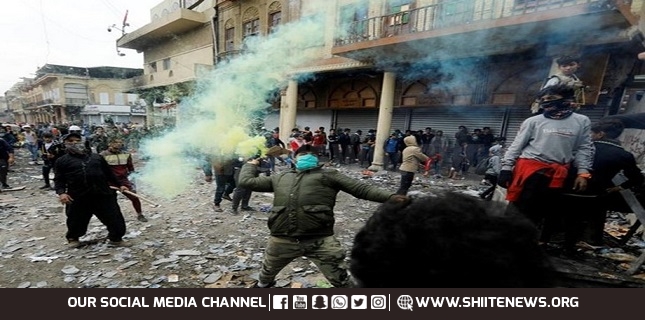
(448, 13)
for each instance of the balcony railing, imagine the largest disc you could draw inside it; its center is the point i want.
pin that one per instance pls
(228, 55)
(76, 102)
(449, 13)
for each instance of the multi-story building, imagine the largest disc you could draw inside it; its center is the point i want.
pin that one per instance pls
(60, 94)
(177, 47)
(411, 64)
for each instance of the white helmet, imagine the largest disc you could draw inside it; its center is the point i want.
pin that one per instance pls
(74, 128)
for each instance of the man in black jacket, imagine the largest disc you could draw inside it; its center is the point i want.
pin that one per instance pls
(6, 159)
(82, 184)
(609, 159)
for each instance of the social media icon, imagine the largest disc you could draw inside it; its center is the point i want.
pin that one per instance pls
(299, 302)
(319, 302)
(378, 302)
(339, 302)
(359, 302)
(280, 301)
(405, 302)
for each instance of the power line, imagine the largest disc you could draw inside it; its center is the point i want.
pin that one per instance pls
(110, 6)
(42, 17)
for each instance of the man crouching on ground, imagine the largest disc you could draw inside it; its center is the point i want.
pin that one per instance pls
(301, 221)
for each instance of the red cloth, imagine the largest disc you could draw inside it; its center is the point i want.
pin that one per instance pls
(428, 164)
(524, 168)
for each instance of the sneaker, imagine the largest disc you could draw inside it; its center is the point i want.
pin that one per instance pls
(142, 218)
(119, 244)
(73, 244)
(247, 209)
(6, 186)
(217, 208)
(227, 197)
(235, 211)
(45, 187)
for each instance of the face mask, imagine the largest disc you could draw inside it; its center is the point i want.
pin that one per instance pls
(306, 162)
(76, 148)
(557, 104)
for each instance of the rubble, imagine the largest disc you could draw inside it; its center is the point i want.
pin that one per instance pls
(185, 243)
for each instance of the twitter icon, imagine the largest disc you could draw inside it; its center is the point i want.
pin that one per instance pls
(359, 302)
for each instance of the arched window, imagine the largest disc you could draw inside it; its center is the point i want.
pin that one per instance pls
(275, 16)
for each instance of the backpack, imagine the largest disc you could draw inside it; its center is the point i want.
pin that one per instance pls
(482, 166)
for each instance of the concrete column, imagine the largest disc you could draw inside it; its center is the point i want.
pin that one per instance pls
(63, 115)
(386, 106)
(288, 111)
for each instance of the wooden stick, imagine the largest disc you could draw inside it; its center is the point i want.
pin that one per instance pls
(136, 195)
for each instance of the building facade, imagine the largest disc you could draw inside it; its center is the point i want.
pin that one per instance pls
(412, 64)
(59, 94)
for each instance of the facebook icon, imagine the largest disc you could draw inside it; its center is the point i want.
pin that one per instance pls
(280, 301)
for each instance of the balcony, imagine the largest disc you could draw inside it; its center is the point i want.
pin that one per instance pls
(228, 55)
(467, 28)
(175, 23)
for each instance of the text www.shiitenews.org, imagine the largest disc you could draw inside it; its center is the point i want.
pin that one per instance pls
(497, 302)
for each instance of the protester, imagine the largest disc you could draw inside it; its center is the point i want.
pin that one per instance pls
(412, 159)
(493, 167)
(224, 179)
(609, 159)
(6, 159)
(122, 166)
(82, 181)
(546, 148)
(301, 221)
(50, 151)
(448, 240)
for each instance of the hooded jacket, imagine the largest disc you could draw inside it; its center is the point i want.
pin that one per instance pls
(412, 156)
(303, 203)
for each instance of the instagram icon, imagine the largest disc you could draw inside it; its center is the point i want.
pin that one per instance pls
(378, 302)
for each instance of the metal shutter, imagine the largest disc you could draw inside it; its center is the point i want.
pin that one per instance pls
(357, 119)
(517, 115)
(448, 119)
(368, 119)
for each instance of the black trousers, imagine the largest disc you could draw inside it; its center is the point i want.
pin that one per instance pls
(241, 195)
(47, 168)
(4, 168)
(549, 209)
(103, 206)
(488, 193)
(406, 182)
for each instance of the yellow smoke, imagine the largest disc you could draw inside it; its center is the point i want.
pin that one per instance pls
(216, 122)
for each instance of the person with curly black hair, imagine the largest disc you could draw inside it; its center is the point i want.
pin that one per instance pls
(448, 240)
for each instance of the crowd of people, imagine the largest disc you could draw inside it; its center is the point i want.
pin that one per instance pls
(557, 174)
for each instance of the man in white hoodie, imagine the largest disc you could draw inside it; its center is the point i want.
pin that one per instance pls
(412, 158)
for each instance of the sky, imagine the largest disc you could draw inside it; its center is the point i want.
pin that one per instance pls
(66, 32)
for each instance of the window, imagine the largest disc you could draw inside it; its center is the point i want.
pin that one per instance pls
(166, 63)
(229, 39)
(399, 11)
(104, 98)
(251, 28)
(119, 99)
(274, 21)
(153, 67)
(355, 18)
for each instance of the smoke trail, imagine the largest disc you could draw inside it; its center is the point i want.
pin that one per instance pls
(217, 120)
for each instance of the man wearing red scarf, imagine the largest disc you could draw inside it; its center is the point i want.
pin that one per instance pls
(547, 147)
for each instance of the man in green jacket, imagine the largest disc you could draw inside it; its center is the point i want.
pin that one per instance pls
(301, 221)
